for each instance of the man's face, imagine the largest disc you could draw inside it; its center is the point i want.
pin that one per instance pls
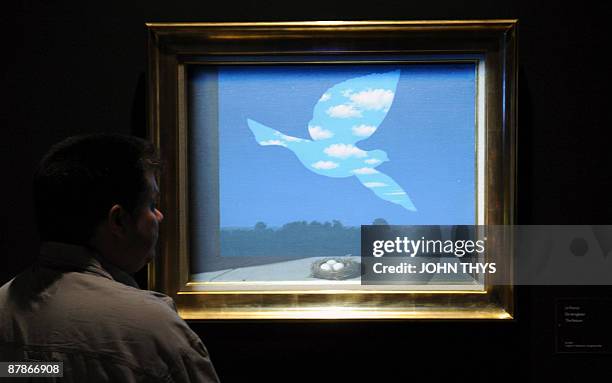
(144, 228)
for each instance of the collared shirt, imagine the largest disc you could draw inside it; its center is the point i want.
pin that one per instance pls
(72, 307)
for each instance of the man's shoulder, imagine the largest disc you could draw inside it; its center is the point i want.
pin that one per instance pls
(130, 305)
(89, 302)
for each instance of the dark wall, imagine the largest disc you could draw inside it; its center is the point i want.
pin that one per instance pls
(76, 67)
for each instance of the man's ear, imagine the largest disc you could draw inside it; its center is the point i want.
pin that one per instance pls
(117, 220)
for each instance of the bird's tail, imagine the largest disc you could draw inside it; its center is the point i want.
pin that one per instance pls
(386, 188)
(266, 136)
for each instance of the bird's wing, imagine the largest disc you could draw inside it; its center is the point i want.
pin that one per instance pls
(267, 136)
(352, 110)
(386, 188)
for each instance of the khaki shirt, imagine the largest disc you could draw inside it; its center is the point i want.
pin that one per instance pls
(70, 307)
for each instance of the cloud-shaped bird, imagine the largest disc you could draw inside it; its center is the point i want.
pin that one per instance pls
(347, 113)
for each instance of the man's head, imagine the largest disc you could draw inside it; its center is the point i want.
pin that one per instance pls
(100, 191)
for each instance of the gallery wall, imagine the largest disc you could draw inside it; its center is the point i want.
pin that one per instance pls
(78, 67)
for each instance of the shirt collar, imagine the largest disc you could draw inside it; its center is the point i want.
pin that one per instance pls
(71, 257)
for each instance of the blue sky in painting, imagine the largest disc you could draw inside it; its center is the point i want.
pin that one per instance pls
(347, 143)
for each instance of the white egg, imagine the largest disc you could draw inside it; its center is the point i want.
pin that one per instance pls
(331, 262)
(338, 266)
(325, 267)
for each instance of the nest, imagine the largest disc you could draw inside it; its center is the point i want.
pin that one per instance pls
(351, 269)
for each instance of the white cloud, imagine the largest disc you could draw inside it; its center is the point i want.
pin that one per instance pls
(318, 133)
(373, 99)
(363, 130)
(325, 165)
(343, 111)
(272, 142)
(344, 151)
(375, 184)
(365, 171)
(372, 161)
(396, 193)
(325, 97)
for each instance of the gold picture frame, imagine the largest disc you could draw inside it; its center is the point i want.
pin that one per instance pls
(172, 47)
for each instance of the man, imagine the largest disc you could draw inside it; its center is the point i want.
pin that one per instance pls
(95, 203)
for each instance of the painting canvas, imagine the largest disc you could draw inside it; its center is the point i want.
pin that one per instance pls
(287, 143)
(301, 156)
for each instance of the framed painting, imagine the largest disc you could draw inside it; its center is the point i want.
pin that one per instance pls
(285, 141)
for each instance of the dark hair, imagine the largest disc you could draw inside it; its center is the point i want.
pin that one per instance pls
(82, 177)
